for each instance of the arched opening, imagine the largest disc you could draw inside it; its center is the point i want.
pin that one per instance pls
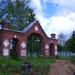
(14, 48)
(51, 49)
(34, 44)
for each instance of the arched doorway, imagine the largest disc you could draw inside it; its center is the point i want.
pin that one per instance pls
(51, 49)
(14, 48)
(34, 44)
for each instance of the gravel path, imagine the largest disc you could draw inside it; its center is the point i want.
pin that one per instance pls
(62, 67)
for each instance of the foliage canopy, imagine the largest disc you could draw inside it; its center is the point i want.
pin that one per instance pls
(70, 43)
(17, 12)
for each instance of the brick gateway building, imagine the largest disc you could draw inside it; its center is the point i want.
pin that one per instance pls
(20, 41)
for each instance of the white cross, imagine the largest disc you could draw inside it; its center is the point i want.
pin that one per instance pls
(6, 43)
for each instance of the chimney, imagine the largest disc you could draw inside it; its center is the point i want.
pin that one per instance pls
(53, 35)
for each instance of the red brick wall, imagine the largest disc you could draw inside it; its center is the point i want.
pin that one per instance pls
(22, 37)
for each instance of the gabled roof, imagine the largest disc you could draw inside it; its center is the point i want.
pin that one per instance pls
(29, 26)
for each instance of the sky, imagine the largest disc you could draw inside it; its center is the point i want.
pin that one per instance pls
(55, 16)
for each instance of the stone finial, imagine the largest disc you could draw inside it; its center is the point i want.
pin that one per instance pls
(53, 35)
(5, 23)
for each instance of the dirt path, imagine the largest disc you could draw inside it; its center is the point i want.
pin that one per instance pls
(62, 67)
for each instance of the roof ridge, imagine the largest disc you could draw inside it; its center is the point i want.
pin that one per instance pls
(29, 26)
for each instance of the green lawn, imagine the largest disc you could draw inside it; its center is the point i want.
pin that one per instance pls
(10, 66)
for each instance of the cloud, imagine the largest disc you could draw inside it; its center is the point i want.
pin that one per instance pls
(59, 24)
(66, 4)
(36, 4)
(62, 21)
(38, 9)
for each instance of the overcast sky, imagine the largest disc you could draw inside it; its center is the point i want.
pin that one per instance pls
(55, 16)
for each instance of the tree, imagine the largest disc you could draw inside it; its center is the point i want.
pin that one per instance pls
(61, 39)
(70, 43)
(17, 12)
(61, 43)
(60, 48)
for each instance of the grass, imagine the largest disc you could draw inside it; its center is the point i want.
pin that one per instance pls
(10, 66)
(40, 65)
(70, 58)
